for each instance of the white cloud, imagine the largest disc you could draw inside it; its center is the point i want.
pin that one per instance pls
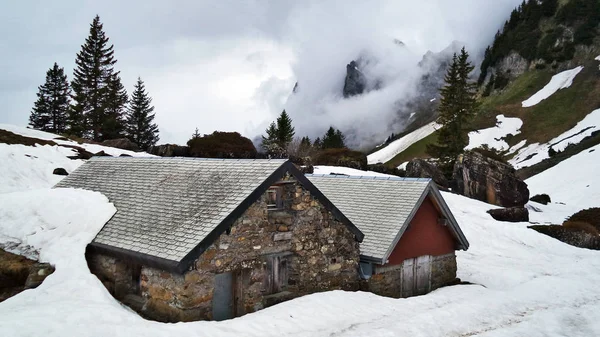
(231, 65)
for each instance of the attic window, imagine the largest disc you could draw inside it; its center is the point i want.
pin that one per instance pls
(274, 200)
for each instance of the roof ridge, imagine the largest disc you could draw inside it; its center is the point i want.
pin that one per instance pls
(345, 176)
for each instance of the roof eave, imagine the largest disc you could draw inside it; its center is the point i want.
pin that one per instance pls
(135, 257)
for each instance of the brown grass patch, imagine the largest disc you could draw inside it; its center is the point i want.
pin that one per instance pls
(10, 138)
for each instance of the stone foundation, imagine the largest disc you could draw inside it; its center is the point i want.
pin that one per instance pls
(272, 255)
(387, 280)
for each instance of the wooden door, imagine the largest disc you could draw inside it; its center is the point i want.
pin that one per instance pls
(416, 276)
(422, 274)
(408, 278)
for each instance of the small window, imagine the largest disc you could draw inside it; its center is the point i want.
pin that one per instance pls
(276, 274)
(274, 200)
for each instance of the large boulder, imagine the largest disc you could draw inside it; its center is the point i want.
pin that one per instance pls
(511, 214)
(170, 150)
(479, 177)
(419, 168)
(121, 143)
(60, 171)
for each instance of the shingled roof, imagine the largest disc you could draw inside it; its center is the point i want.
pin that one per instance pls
(382, 208)
(169, 210)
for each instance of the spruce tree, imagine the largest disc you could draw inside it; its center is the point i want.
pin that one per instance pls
(114, 109)
(139, 120)
(270, 140)
(285, 130)
(96, 91)
(457, 108)
(52, 106)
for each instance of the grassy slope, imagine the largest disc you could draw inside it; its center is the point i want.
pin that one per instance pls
(542, 122)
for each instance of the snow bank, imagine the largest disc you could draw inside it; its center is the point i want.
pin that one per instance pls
(493, 137)
(559, 81)
(347, 171)
(93, 148)
(30, 167)
(573, 184)
(535, 153)
(401, 144)
(518, 267)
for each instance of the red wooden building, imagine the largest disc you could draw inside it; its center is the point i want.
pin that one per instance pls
(410, 234)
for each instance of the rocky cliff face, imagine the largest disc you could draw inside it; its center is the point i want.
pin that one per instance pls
(355, 82)
(489, 180)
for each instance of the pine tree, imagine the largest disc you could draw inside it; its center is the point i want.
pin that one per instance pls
(196, 134)
(457, 107)
(51, 109)
(270, 140)
(318, 144)
(96, 89)
(285, 130)
(140, 127)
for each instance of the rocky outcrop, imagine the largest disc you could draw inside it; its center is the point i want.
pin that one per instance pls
(489, 180)
(18, 273)
(121, 143)
(419, 168)
(511, 214)
(571, 236)
(513, 65)
(355, 82)
(170, 150)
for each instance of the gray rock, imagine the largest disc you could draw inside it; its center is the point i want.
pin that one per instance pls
(512, 214)
(489, 180)
(121, 143)
(543, 199)
(37, 274)
(60, 171)
(419, 168)
(170, 150)
(355, 82)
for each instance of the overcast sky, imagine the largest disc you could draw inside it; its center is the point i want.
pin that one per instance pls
(231, 65)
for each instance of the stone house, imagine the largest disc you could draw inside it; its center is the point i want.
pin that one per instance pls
(410, 233)
(215, 238)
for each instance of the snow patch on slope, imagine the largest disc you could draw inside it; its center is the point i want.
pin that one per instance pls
(559, 81)
(93, 148)
(401, 144)
(493, 137)
(535, 153)
(347, 171)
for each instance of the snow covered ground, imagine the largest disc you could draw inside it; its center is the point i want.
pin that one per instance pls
(535, 153)
(524, 283)
(494, 136)
(347, 171)
(559, 81)
(29, 167)
(401, 144)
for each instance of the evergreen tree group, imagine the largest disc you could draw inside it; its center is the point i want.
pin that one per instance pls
(456, 110)
(333, 139)
(50, 110)
(100, 109)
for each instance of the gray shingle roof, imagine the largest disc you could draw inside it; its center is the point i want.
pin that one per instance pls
(167, 206)
(379, 207)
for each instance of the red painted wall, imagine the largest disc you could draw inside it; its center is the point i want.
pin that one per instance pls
(424, 236)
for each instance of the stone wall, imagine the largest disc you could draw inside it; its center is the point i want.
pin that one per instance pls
(321, 253)
(387, 280)
(443, 270)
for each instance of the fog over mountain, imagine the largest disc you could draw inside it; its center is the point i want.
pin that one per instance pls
(232, 65)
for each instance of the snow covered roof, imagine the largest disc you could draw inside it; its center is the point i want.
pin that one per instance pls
(170, 209)
(382, 208)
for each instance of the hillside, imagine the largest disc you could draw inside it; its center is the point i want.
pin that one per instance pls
(512, 270)
(555, 98)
